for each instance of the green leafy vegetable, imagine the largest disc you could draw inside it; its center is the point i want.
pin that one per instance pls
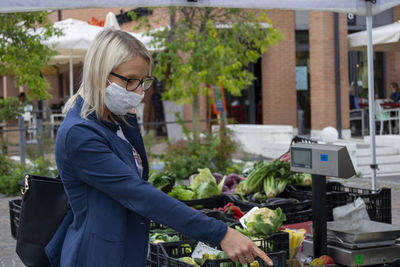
(271, 178)
(206, 190)
(204, 176)
(160, 237)
(254, 180)
(304, 179)
(270, 187)
(263, 223)
(163, 181)
(189, 260)
(181, 193)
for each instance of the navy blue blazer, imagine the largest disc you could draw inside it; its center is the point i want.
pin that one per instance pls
(110, 204)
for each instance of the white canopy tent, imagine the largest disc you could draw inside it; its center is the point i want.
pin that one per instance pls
(347, 6)
(384, 38)
(366, 8)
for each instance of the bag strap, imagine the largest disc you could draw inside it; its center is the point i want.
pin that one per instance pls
(25, 188)
(25, 184)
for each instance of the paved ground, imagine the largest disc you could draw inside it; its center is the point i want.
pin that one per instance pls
(8, 257)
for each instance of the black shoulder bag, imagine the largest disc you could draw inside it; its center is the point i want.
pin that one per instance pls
(44, 205)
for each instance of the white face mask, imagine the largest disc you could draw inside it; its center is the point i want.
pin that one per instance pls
(119, 101)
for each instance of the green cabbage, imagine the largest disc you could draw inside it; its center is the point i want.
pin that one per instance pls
(204, 176)
(206, 190)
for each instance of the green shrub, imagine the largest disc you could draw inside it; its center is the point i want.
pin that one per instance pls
(10, 108)
(10, 177)
(214, 151)
(6, 164)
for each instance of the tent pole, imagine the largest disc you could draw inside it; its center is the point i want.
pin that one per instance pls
(71, 75)
(371, 93)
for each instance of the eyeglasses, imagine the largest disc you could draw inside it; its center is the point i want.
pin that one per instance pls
(133, 84)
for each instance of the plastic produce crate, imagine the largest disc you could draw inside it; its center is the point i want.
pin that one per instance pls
(219, 215)
(154, 248)
(378, 203)
(156, 226)
(218, 202)
(15, 211)
(152, 260)
(171, 252)
(303, 193)
(295, 212)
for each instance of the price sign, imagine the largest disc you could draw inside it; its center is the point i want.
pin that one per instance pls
(202, 248)
(218, 96)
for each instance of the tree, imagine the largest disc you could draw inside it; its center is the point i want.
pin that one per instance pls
(21, 52)
(210, 46)
(10, 108)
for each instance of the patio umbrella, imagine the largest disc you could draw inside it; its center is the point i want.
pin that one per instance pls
(384, 38)
(76, 38)
(111, 21)
(366, 8)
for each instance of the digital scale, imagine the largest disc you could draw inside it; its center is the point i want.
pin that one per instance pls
(372, 244)
(377, 255)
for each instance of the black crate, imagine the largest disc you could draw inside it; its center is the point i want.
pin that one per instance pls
(378, 203)
(152, 260)
(218, 202)
(15, 211)
(157, 226)
(298, 216)
(295, 212)
(219, 215)
(171, 252)
(333, 197)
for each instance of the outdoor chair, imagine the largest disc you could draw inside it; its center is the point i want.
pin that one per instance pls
(30, 118)
(387, 115)
(358, 115)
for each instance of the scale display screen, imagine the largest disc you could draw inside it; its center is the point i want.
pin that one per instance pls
(302, 157)
(321, 159)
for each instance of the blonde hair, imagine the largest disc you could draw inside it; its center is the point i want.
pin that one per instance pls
(109, 49)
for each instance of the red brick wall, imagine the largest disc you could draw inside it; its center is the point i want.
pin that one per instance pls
(392, 60)
(278, 67)
(322, 69)
(278, 74)
(344, 71)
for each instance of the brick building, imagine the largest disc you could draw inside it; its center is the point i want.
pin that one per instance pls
(307, 53)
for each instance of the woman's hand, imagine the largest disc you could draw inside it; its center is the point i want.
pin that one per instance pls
(239, 247)
(132, 111)
(285, 157)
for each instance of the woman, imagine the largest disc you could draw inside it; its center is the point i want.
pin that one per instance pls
(111, 201)
(395, 93)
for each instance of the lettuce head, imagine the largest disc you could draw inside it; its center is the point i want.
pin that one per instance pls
(204, 176)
